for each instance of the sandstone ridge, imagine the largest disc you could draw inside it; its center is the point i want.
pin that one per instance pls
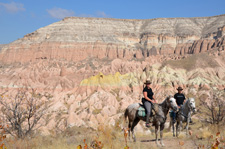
(76, 39)
(83, 64)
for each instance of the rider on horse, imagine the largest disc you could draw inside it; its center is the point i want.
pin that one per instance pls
(148, 101)
(180, 99)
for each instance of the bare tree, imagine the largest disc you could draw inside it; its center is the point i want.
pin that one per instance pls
(213, 107)
(22, 113)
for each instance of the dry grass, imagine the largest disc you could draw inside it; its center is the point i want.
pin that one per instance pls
(110, 137)
(113, 138)
(201, 60)
(47, 142)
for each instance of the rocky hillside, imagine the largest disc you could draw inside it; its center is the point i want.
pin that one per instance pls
(76, 39)
(92, 92)
(1, 45)
(93, 68)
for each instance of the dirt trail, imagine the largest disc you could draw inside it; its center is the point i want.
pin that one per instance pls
(172, 143)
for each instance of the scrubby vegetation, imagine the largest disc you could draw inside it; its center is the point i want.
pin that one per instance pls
(21, 113)
(112, 137)
(207, 131)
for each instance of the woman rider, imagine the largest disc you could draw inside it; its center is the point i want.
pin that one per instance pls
(148, 100)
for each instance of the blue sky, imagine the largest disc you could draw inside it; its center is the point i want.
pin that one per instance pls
(20, 17)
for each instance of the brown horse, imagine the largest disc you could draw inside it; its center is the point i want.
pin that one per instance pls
(158, 120)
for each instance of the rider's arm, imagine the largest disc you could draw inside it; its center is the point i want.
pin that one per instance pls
(154, 98)
(146, 97)
(184, 100)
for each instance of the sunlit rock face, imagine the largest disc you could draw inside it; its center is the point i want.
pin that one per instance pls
(91, 69)
(76, 39)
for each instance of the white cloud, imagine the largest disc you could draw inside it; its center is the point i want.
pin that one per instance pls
(86, 15)
(98, 14)
(101, 14)
(60, 13)
(13, 7)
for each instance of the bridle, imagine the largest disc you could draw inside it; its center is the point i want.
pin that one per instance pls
(168, 107)
(190, 107)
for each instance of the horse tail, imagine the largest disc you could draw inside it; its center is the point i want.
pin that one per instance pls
(125, 115)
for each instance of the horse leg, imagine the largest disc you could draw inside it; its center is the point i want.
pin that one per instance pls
(135, 122)
(181, 127)
(161, 134)
(177, 128)
(156, 133)
(187, 125)
(173, 127)
(129, 126)
(169, 128)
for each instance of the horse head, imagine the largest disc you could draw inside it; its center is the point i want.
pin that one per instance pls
(191, 105)
(171, 101)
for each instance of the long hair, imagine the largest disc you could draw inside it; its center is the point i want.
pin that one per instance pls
(144, 86)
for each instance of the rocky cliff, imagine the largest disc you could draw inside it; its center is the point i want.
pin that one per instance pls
(92, 92)
(83, 64)
(76, 39)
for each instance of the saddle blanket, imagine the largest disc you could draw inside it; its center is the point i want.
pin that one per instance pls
(141, 111)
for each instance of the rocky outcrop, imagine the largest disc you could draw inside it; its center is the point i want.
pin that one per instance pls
(80, 92)
(76, 39)
(84, 64)
(221, 32)
(1, 46)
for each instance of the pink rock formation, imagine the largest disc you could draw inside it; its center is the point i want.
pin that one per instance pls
(55, 59)
(75, 39)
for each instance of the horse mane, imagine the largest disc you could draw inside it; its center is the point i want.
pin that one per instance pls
(168, 97)
(162, 108)
(163, 104)
(186, 102)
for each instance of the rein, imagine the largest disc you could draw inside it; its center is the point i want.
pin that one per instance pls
(180, 111)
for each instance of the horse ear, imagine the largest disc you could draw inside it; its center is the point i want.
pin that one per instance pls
(170, 96)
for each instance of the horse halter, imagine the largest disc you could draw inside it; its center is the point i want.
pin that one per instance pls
(173, 107)
(193, 109)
